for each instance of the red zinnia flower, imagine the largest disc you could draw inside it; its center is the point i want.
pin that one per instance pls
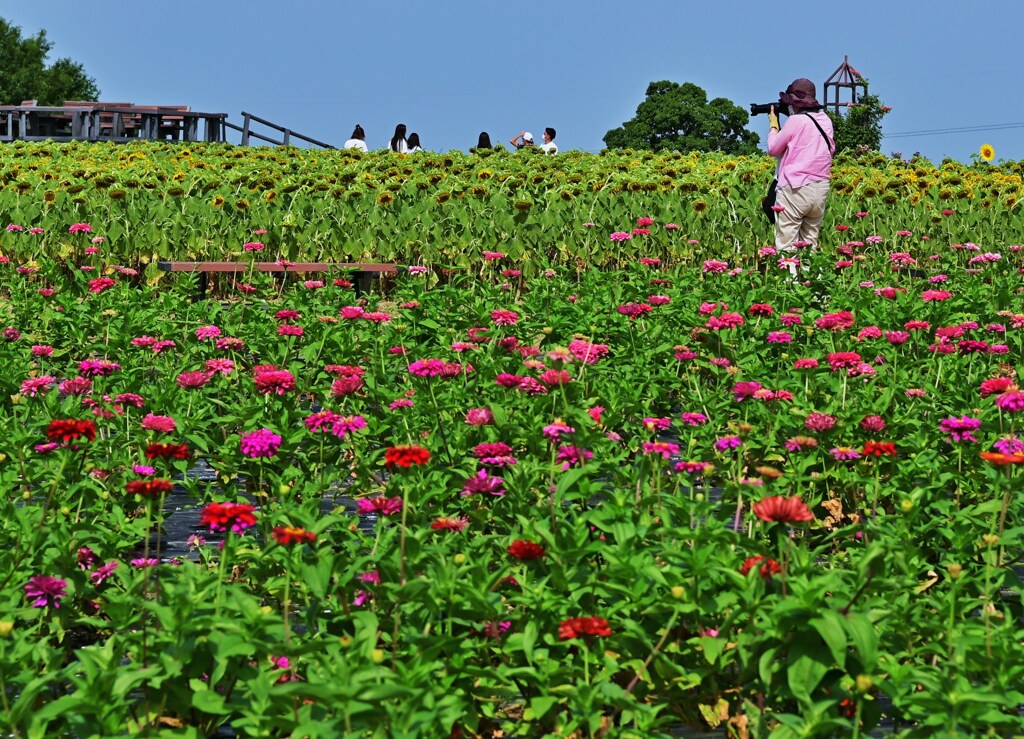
(172, 451)
(575, 628)
(786, 510)
(149, 488)
(64, 430)
(222, 516)
(288, 535)
(406, 456)
(769, 567)
(879, 449)
(525, 550)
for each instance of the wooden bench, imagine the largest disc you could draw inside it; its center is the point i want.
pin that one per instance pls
(364, 272)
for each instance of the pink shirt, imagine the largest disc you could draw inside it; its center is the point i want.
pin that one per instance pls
(801, 150)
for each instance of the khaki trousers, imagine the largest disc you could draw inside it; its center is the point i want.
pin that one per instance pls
(804, 209)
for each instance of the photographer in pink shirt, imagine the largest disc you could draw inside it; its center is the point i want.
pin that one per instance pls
(804, 148)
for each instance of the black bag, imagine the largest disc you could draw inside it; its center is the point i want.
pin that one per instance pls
(769, 200)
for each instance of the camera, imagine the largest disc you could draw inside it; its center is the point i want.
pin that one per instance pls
(758, 108)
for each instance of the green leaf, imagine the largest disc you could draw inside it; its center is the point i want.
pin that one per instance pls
(807, 663)
(829, 626)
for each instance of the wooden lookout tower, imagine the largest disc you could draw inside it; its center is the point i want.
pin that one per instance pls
(843, 79)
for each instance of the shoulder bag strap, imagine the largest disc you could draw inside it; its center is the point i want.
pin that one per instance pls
(821, 131)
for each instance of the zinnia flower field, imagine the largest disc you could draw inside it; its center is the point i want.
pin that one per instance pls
(607, 465)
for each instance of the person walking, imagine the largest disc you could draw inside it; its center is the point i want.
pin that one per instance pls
(357, 141)
(398, 142)
(804, 148)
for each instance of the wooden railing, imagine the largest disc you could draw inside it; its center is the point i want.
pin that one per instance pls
(247, 133)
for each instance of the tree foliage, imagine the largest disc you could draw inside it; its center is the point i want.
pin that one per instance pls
(676, 117)
(24, 74)
(860, 129)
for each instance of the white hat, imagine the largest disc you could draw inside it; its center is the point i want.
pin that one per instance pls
(527, 136)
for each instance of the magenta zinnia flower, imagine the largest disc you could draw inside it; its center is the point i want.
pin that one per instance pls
(260, 443)
(483, 483)
(573, 456)
(380, 505)
(46, 590)
(960, 429)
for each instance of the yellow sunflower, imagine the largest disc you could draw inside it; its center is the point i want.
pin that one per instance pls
(987, 153)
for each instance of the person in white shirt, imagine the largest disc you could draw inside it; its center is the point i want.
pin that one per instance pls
(358, 140)
(398, 142)
(414, 142)
(549, 146)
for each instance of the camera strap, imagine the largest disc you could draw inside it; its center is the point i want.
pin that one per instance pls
(820, 130)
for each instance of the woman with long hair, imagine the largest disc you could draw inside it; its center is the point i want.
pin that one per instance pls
(414, 142)
(398, 142)
(484, 142)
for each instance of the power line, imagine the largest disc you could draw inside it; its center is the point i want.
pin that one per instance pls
(965, 129)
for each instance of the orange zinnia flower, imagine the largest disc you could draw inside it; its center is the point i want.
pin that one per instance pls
(286, 535)
(1001, 459)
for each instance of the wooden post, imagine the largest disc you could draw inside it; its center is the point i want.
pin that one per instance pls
(245, 129)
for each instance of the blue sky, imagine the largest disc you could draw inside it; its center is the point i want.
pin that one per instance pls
(452, 68)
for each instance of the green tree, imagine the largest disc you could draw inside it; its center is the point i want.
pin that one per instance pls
(676, 117)
(24, 74)
(860, 129)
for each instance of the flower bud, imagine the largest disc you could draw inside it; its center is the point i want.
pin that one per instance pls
(678, 591)
(460, 558)
(955, 571)
(378, 656)
(6, 627)
(865, 683)
(990, 540)
(906, 505)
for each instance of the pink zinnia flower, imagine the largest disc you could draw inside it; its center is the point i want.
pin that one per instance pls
(37, 385)
(207, 332)
(820, 422)
(164, 424)
(193, 380)
(103, 572)
(347, 424)
(479, 417)
(844, 453)
(665, 448)
(1010, 400)
(274, 381)
(504, 317)
(554, 431)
